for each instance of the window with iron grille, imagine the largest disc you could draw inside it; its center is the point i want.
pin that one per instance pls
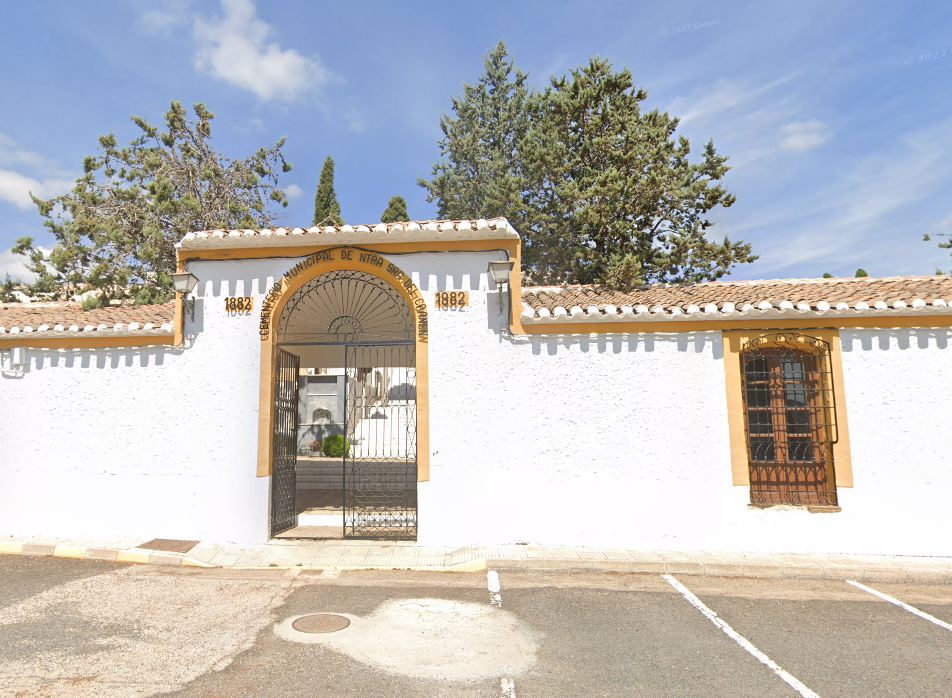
(790, 419)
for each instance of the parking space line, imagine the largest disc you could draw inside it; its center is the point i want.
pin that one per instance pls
(788, 678)
(905, 606)
(495, 597)
(506, 683)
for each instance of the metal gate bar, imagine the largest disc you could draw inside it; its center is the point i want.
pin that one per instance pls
(284, 462)
(380, 467)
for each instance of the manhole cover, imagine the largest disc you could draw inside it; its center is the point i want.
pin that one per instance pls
(320, 623)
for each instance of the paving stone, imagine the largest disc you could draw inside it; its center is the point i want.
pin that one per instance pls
(101, 554)
(164, 559)
(37, 549)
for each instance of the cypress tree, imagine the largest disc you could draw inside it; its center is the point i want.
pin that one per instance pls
(326, 208)
(479, 177)
(396, 210)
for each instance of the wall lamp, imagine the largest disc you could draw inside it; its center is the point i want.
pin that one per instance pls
(184, 282)
(499, 272)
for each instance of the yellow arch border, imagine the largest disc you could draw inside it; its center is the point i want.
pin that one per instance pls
(320, 262)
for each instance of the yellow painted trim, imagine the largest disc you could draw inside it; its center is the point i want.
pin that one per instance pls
(512, 245)
(733, 343)
(69, 551)
(321, 262)
(11, 548)
(766, 324)
(87, 342)
(132, 556)
(214, 254)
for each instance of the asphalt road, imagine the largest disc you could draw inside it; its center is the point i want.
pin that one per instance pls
(79, 628)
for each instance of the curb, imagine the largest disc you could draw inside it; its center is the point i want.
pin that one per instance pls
(755, 566)
(139, 556)
(893, 574)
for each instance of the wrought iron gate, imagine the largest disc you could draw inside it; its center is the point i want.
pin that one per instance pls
(284, 460)
(380, 467)
(790, 418)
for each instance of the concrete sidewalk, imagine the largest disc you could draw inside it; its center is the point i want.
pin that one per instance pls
(383, 555)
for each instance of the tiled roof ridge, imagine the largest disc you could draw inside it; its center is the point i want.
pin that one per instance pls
(436, 225)
(53, 319)
(756, 298)
(741, 282)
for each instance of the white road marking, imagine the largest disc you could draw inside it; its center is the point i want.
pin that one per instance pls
(506, 683)
(495, 598)
(897, 602)
(791, 680)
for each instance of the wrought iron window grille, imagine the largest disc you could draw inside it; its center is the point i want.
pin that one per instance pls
(789, 419)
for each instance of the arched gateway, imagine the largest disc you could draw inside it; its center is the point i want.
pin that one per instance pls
(343, 340)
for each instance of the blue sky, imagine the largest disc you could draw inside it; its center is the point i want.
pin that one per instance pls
(837, 116)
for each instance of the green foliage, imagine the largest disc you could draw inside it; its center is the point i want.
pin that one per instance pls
(326, 208)
(396, 210)
(601, 191)
(861, 273)
(945, 244)
(116, 230)
(479, 177)
(827, 275)
(335, 446)
(6, 290)
(92, 302)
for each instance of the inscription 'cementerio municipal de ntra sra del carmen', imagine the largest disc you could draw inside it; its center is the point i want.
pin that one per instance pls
(383, 268)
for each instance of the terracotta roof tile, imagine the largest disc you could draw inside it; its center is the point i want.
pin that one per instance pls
(70, 317)
(722, 298)
(403, 231)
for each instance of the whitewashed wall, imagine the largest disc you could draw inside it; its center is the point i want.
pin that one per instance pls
(605, 440)
(623, 440)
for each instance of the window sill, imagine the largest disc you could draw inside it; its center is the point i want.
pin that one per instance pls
(812, 508)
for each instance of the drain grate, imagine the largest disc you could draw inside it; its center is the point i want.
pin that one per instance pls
(320, 623)
(167, 545)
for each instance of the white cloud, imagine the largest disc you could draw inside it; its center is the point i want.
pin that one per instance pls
(870, 214)
(14, 265)
(723, 96)
(16, 188)
(163, 15)
(293, 191)
(12, 155)
(799, 136)
(235, 47)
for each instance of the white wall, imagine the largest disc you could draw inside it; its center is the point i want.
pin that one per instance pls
(617, 440)
(623, 440)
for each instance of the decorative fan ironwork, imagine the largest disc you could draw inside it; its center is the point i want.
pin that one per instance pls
(346, 306)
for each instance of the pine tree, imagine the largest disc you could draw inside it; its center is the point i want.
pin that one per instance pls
(479, 177)
(116, 230)
(396, 210)
(600, 191)
(326, 208)
(611, 195)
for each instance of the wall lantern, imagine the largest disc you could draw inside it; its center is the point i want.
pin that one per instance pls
(184, 282)
(499, 272)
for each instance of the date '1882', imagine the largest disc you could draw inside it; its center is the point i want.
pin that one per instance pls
(239, 304)
(451, 299)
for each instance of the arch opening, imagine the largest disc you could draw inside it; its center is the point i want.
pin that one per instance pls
(352, 473)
